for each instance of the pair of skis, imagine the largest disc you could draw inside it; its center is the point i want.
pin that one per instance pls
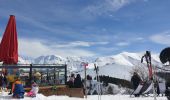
(147, 57)
(85, 64)
(96, 69)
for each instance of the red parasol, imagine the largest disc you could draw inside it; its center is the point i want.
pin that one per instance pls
(9, 43)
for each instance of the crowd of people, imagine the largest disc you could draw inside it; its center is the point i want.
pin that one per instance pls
(14, 84)
(75, 82)
(78, 82)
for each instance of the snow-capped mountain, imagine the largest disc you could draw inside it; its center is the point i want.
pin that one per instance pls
(118, 65)
(125, 58)
(24, 60)
(49, 59)
(121, 65)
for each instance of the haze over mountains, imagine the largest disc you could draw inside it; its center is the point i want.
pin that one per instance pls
(118, 66)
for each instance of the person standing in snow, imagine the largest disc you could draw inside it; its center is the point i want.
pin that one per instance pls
(4, 83)
(1, 82)
(11, 80)
(78, 82)
(71, 81)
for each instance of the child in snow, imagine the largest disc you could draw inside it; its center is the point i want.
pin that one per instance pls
(18, 89)
(34, 90)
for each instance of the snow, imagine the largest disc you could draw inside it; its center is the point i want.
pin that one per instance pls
(50, 59)
(133, 55)
(106, 97)
(21, 60)
(122, 60)
(4, 96)
(114, 70)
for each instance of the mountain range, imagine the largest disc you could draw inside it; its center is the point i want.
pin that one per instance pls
(118, 66)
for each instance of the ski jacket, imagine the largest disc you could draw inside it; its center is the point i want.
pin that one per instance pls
(18, 89)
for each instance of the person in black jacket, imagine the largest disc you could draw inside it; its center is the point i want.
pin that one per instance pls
(1, 81)
(78, 82)
(135, 81)
(4, 83)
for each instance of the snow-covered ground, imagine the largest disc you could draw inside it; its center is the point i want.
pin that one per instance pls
(4, 96)
(105, 97)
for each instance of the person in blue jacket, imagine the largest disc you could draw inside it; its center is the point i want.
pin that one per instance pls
(18, 89)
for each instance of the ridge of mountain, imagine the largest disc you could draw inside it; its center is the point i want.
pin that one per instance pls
(118, 65)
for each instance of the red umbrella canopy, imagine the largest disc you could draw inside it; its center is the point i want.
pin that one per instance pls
(9, 43)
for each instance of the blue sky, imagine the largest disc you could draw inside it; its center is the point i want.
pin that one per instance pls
(88, 27)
